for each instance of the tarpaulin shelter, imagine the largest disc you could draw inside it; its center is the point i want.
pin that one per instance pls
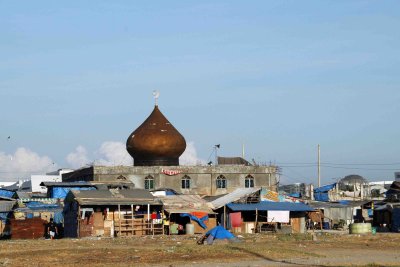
(61, 189)
(183, 209)
(6, 193)
(30, 220)
(217, 232)
(321, 193)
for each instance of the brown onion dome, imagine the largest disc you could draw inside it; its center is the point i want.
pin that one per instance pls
(156, 142)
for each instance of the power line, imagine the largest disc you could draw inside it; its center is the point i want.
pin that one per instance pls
(330, 163)
(357, 168)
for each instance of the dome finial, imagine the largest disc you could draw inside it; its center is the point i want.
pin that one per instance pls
(156, 95)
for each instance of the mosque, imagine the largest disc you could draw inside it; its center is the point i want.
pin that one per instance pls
(156, 146)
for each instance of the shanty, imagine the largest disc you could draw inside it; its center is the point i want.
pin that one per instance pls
(111, 213)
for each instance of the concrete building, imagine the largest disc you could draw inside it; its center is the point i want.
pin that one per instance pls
(33, 184)
(205, 180)
(156, 147)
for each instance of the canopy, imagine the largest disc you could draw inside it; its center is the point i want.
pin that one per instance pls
(266, 205)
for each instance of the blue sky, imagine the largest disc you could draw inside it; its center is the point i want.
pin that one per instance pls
(279, 76)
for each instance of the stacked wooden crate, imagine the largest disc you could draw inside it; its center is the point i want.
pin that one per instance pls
(86, 226)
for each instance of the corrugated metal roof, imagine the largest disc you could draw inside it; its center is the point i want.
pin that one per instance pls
(320, 204)
(184, 204)
(232, 161)
(234, 196)
(266, 205)
(66, 184)
(24, 194)
(6, 198)
(6, 206)
(112, 197)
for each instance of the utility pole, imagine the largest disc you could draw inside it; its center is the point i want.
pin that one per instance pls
(319, 166)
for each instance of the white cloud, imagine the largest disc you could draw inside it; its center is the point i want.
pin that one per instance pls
(189, 157)
(23, 163)
(113, 153)
(78, 158)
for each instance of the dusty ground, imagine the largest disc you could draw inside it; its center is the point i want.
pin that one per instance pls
(252, 250)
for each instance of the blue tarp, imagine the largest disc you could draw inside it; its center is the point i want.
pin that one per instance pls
(4, 216)
(220, 232)
(266, 205)
(200, 221)
(325, 188)
(321, 197)
(6, 193)
(34, 205)
(61, 192)
(58, 217)
(170, 193)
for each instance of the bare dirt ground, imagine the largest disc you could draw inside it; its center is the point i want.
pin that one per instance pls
(252, 250)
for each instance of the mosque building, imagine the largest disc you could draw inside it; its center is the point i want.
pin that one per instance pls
(156, 146)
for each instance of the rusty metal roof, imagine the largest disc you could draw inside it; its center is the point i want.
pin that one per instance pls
(112, 197)
(7, 205)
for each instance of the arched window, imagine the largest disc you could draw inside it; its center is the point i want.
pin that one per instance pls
(185, 182)
(221, 181)
(149, 182)
(249, 181)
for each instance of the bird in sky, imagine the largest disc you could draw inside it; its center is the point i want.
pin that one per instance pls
(9, 137)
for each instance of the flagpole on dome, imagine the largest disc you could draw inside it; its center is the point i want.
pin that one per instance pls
(156, 95)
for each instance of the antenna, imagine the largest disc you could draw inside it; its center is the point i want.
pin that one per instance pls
(319, 165)
(156, 95)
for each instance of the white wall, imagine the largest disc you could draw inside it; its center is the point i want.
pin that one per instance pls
(37, 179)
(3, 184)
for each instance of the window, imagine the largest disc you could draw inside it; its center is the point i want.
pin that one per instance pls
(221, 181)
(249, 181)
(185, 182)
(149, 182)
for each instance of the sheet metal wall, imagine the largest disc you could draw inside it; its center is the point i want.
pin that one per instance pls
(337, 214)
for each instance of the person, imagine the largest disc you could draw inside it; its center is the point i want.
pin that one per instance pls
(52, 229)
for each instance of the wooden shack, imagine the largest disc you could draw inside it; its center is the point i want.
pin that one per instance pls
(6, 206)
(285, 217)
(112, 213)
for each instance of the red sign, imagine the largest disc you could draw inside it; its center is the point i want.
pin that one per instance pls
(170, 172)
